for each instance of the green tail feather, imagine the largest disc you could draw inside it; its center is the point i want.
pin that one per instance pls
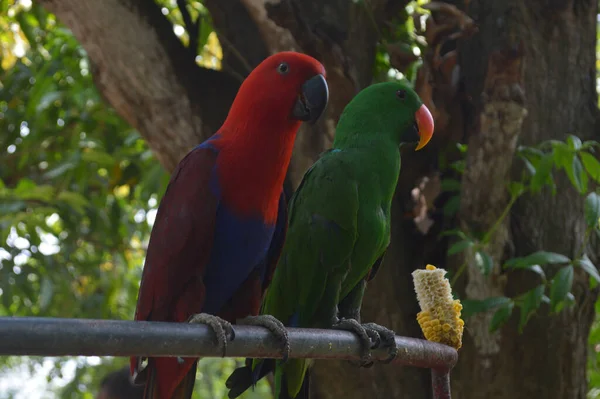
(292, 379)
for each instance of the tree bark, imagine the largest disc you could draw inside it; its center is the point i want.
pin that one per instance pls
(147, 75)
(556, 45)
(527, 57)
(527, 75)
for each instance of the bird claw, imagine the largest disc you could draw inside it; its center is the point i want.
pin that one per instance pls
(222, 328)
(387, 338)
(369, 339)
(276, 328)
(372, 336)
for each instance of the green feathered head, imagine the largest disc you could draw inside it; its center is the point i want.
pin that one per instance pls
(389, 110)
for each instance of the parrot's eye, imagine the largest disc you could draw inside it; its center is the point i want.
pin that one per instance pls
(283, 68)
(401, 94)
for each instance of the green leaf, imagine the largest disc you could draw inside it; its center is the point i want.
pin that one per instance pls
(132, 137)
(561, 286)
(6, 295)
(46, 293)
(529, 303)
(543, 174)
(538, 269)
(516, 188)
(100, 157)
(205, 30)
(569, 299)
(536, 258)
(454, 232)
(9, 207)
(577, 175)
(527, 151)
(589, 144)
(59, 170)
(531, 157)
(25, 22)
(40, 14)
(484, 262)
(591, 164)
(473, 306)
(562, 154)
(502, 315)
(452, 205)
(459, 246)
(27, 190)
(592, 209)
(450, 185)
(574, 142)
(47, 99)
(24, 185)
(73, 199)
(530, 168)
(586, 264)
(459, 166)
(566, 158)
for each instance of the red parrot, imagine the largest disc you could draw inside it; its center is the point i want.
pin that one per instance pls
(221, 224)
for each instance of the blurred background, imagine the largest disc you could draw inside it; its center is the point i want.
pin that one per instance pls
(100, 100)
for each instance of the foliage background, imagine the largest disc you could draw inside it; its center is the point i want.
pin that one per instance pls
(78, 195)
(79, 190)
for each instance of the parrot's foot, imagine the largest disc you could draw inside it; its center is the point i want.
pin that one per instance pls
(369, 338)
(275, 326)
(387, 338)
(221, 328)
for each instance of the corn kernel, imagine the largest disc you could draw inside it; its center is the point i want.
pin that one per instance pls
(439, 317)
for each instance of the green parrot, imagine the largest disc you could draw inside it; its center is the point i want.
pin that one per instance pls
(339, 229)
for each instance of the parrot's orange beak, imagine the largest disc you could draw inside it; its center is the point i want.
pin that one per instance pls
(425, 125)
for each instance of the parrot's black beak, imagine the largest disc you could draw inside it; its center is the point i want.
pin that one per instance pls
(312, 101)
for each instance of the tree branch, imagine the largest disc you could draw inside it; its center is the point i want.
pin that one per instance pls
(242, 43)
(146, 74)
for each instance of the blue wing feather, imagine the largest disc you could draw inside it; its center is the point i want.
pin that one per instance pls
(240, 246)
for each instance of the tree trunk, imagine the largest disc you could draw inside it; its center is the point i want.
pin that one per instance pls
(527, 75)
(547, 52)
(554, 44)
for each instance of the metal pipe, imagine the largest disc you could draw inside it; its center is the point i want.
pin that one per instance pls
(440, 383)
(34, 336)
